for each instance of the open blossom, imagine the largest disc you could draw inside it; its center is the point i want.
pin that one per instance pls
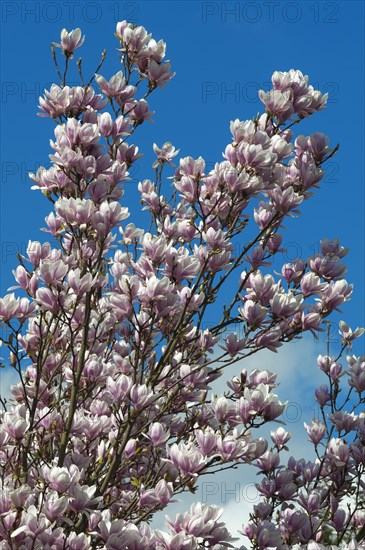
(80, 284)
(328, 267)
(158, 434)
(344, 421)
(284, 305)
(333, 248)
(161, 494)
(55, 505)
(230, 448)
(53, 272)
(263, 214)
(293, 272)
(255, 156)
(207, 441)
(336, 294)
(133, 38)
(71, 100)
(253, 313)
(279, 103)
(138, 111)
(338, 451)
(114, 86)
(70, 41)
(316, 431)
(75, 211)
(60, 479)
(316, 143)
(9, 306)
(233, 344)
(280, 437)
(15, 423)
(311, 284)
(260, 287)
(18, 308)
(164, 154)
(158, 73)
(292, 94)
(186, 459)
(348, 335)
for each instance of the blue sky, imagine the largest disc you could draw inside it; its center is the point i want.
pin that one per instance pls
(223, 53)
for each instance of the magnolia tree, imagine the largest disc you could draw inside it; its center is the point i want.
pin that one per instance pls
(113, 416)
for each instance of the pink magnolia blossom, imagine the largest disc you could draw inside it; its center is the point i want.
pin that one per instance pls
(70, 41)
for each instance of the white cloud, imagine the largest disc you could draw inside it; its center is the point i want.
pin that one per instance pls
(295, 364)
(8, 377)
(234, 490)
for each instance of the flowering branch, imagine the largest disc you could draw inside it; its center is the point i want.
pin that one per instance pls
(113, 415)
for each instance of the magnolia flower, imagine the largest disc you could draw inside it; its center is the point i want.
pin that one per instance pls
(357, 372)
(348, 335)
(253, 313)
(316, 431)
(70, 41)
(338, 451)
(115, 85)
(15, 423)
(60, 478)
(158, 74)
(9, 306)
(186, 458)
(164, 154)
(138, 111)
(279, 103)
(158, 434)
(280, 437)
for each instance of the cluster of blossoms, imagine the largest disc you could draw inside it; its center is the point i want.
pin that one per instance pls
(113, 415)
(311, 502)
(292, 95)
